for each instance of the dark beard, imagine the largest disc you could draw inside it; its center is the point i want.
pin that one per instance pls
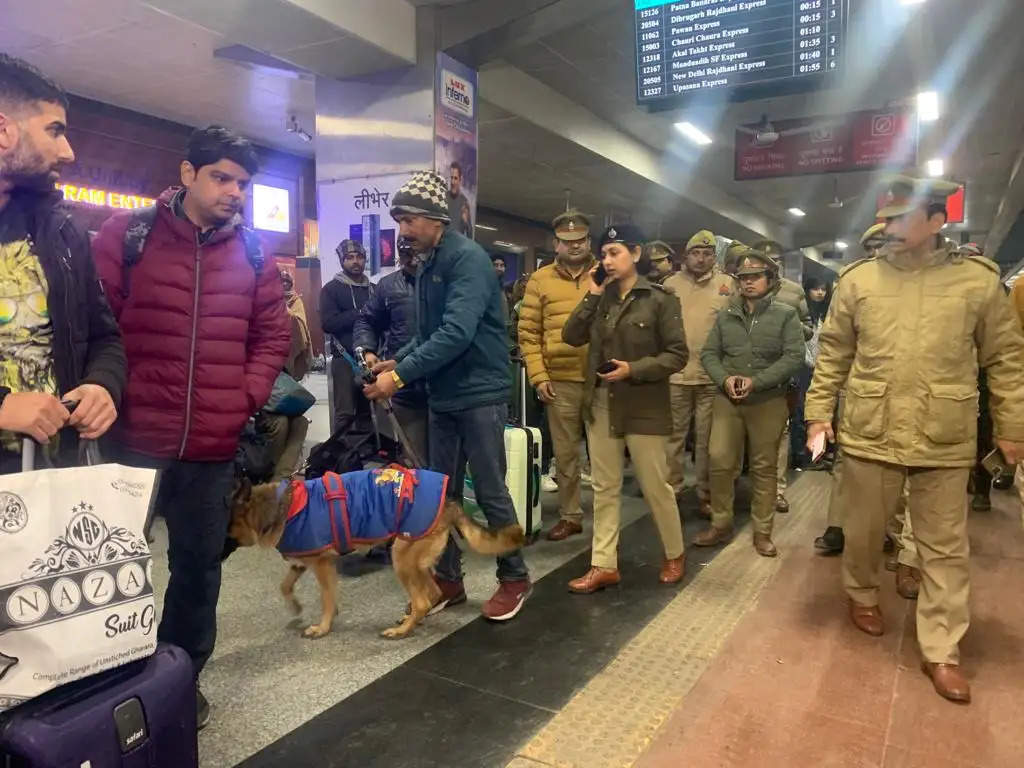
(26, 170)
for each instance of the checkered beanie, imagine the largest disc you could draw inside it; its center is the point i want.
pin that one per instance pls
(425, 194)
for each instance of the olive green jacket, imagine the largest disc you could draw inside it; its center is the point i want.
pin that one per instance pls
(648, 334)
(766, 346)
(907, 345)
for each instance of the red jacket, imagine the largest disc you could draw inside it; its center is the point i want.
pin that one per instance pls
(205, 336)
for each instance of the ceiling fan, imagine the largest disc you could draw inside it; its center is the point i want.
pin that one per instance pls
(837, 202)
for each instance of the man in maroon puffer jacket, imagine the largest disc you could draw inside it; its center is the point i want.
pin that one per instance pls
(206, 333)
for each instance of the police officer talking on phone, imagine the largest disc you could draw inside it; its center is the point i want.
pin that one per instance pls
(906, 334)
(636, 338)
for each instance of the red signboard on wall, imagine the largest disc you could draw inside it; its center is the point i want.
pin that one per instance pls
(857, 141)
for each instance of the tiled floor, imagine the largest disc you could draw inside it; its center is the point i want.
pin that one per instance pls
(796, 685)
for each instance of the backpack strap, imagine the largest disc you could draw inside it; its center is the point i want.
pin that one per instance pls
(135, 236)
(253, 248)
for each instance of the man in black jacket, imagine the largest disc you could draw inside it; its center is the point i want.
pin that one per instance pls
(340, 302)
(385, 325)
(58, 338)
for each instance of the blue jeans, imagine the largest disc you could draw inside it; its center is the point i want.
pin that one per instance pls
(479, 434)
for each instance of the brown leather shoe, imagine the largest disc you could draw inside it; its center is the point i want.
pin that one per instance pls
(713, 537)
(594, 580)
(781, 505)
(867, 618)
(949, 681)
(764, 546)
(908, 582)
(563, 529)
(704, 508)
(672, 570)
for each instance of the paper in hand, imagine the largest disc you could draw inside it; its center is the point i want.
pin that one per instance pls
(818, 447)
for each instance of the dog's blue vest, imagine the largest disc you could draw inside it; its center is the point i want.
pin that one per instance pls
(340, 512)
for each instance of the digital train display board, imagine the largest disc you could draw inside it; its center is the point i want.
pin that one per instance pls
(738, 49)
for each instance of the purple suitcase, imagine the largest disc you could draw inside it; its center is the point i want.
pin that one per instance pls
(142, 715)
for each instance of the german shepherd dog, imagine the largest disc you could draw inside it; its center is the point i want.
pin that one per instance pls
(258, 517)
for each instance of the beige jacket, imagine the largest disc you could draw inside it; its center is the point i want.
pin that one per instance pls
(699, 302)
(907, 346)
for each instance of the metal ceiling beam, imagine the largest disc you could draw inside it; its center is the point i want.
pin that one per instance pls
(482, 31)
(514, 91)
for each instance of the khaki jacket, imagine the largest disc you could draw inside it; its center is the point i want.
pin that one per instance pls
(907, 346)
(792, 293)
(647, 332)
(551, 296)
(699, 301)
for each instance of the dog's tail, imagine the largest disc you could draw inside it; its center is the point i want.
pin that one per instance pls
(483, 540)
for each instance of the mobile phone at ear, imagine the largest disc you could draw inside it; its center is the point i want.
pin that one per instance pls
(599, 277)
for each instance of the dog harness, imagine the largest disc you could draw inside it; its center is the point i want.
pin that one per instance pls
(340, 512)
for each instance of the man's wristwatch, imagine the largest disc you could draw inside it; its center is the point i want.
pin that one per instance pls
(398, 380)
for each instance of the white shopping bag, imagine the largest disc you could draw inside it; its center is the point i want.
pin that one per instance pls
(76, 588)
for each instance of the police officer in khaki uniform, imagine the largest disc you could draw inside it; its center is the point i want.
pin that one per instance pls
(754, 348)
(906, 334)
(661, 257)
(702, 289)
(733, 255)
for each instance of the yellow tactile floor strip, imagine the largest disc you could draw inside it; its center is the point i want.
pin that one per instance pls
(612, 720)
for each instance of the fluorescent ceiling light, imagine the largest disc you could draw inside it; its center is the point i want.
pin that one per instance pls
(936, 167)
(694, 134)
(484, 226)
(841, 246)
(927, 106)
(911, 2)
(796, 212)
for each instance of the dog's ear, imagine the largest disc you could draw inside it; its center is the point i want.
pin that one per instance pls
(242, 491)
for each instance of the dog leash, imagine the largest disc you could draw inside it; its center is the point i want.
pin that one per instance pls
(363, 371)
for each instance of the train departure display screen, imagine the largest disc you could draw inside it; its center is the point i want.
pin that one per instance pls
(744, 49)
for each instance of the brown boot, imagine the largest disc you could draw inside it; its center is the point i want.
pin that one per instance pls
(867, 618)
(595, 579)
(713, 537)
(908, 581)
(672, 570)
(949, 681)
(764, 546)
(563, 529)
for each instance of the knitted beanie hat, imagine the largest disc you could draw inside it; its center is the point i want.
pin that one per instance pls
(425, 194)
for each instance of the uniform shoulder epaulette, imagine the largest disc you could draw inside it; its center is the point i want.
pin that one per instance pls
(987, 263)
(850, 267)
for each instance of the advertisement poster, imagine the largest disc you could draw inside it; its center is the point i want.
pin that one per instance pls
(857, 141)
(455, 139)
(359, 209)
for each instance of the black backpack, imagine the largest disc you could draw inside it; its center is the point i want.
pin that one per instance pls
(137, 233)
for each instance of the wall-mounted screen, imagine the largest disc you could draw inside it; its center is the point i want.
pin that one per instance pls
(743, 49)
(271, 208)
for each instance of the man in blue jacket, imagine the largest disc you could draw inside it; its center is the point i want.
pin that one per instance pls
(461, 350)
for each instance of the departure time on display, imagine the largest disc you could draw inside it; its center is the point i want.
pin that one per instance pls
(749, 48)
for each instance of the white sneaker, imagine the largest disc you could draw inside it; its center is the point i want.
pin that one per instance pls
(586, 479)
(548, 484)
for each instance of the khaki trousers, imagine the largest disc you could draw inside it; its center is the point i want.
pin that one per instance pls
(690, 401)
(937, 507)
(565, 422)
(731, 425)
(607, 455)
(782, 465)
(901, 531)
(287, 435)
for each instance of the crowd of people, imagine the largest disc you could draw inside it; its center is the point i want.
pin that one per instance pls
(169, 331)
